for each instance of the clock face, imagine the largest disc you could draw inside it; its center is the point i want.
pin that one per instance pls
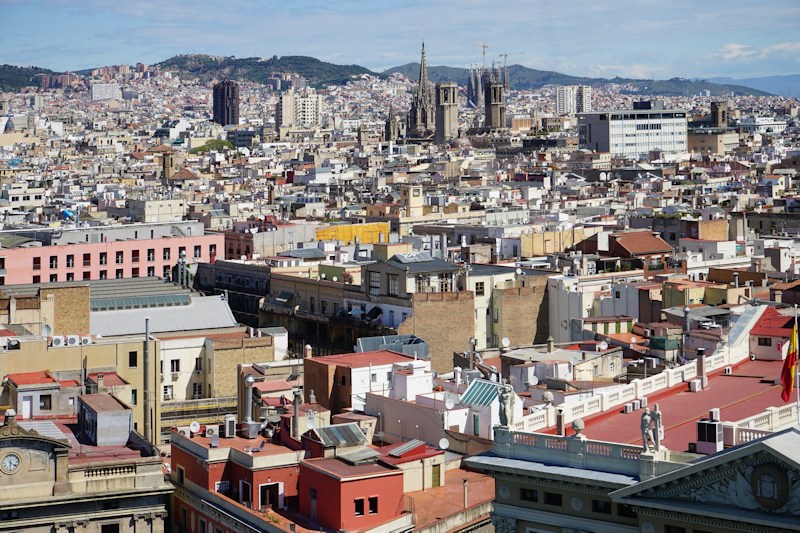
(10, 463)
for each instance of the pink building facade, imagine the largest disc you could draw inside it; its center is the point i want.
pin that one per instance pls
(105, 260)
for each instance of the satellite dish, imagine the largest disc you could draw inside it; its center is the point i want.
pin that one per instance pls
(194, 427)
(323, 275)
(533, 381)
(506, 342)
(634, 340)
(444, 443)
(449, 404)
(335, 278)
(519, 271)
(574, 361)
(603, 346)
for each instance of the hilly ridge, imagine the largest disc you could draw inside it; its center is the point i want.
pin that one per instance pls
(521, 78)
(206, 68)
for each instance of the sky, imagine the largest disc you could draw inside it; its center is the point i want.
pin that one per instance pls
(630, 38)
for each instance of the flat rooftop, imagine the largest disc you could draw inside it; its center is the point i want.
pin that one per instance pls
(746, 392)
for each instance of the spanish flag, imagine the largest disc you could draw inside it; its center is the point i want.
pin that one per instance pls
(790, 366)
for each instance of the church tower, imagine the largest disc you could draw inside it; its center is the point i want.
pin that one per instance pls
(422, 116)
(446, 112)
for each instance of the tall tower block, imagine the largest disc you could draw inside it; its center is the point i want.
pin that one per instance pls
(446, 112)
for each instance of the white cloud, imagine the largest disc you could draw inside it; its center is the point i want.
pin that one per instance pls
(743, 52)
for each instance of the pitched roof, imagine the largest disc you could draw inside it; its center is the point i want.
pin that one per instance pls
(642, 242)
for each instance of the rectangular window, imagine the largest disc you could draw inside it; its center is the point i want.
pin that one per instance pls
(198, 364)
(197, 252)
(201, 528)
(37, 279)
(103, 258)
(103, 274)
(374, 377)
(151, 254)
(528, 495)
(45, 402)
(53, 261)
(674, 529)
(134, 256)
(359, 504)
(479, 288)
(197, 390)
(120, 257)
(167, 392)
(394, 284)
(151, 272)
(374, 283)
(312, 305)
(133, 359)
(118, 273)
(373, 505)
(175, 365)
(601, 506)
(70, 260)
(765, 341)
(70, 276)
(165, 254)
(134, 397)
(53, 278)
(551, 498)
(87, 260)
(37, 263)
(134, 272)
(87, 275)
(324, 307)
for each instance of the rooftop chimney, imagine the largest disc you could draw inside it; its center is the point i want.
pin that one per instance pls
(248, 399)
(101, 381)
(551, 345)
(296, 415)
(312, 397)
(10, 418)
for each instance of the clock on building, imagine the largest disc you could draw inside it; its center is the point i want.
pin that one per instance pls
(10, 463)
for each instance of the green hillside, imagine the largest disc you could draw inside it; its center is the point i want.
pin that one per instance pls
(255, 69)
(14, 78)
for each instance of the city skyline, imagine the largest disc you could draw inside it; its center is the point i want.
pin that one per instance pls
(650, 40)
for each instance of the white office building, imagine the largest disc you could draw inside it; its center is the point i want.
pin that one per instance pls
(635, 133)
(106, 91)
(571, 99)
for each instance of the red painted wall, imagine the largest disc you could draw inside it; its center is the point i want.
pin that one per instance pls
(336, 500)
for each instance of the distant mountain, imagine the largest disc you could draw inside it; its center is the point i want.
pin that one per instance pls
(527, 78)
(788, 85)
(14, 78)
(256, 69)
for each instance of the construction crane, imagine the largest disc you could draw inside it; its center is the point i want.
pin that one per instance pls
(484, 46)
(505, 66)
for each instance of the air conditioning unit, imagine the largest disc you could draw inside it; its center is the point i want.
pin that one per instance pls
(59, 342)
(627, 408)
(694, 386)
(184, 430)
(727, 371)
(86, 340)
(752, 357)
(229, 427)
(175, 376)
(167, 396)
(211, 431)
(643, 402)
(73, 340)
(636, 405)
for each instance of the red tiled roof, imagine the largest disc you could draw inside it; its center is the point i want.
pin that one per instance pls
(110, 379)
(363, 359)
(642, 242)
(41, 377)
(773, 324)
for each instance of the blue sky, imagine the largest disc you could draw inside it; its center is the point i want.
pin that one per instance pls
(636, 38)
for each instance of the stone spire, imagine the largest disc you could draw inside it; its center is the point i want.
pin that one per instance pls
(423, 70)
(421, 117)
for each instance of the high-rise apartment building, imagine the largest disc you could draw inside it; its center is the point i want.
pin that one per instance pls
(300, 110)
(634, 132)
(446, 111)
(226, 102)
(571, 99)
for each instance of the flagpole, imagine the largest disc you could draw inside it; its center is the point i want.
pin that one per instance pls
(796, 366)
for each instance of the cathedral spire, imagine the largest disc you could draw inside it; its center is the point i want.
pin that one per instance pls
(423, 68)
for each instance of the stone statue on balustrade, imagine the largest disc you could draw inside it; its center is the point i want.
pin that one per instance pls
(505, 396)
(647, 430)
